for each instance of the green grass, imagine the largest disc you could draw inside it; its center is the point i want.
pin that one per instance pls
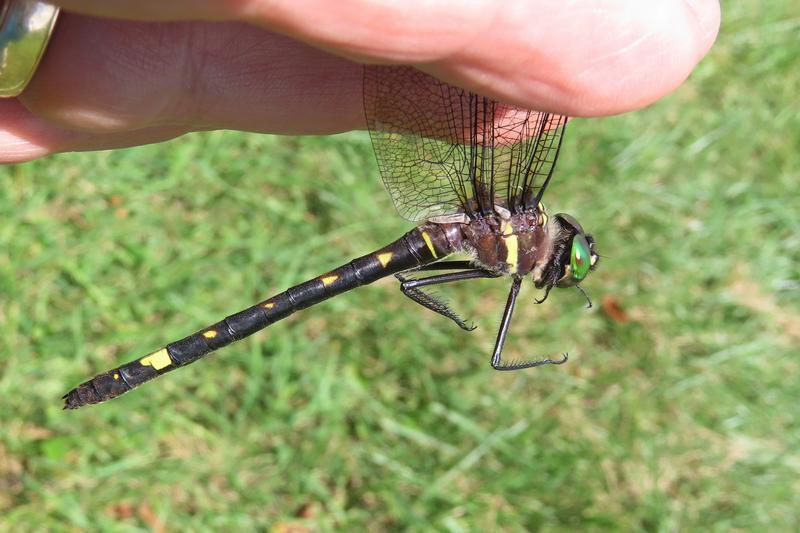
(369, 413)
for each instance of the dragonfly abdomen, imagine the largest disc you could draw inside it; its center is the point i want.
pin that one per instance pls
(419, 246)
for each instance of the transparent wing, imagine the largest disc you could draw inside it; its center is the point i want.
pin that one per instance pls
(442, 149)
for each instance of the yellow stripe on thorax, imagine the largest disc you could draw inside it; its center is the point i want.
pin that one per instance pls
(429, 243)
(512, 245)
(157, 360)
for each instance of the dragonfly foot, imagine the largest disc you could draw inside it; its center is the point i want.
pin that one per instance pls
(546, 294)
(519, 365)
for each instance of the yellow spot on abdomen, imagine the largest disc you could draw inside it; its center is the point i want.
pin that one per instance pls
(157, 360)
(429, 243)
(385, 258)
(268, 305)
(210, 334)
(116, 375)
(327, 280)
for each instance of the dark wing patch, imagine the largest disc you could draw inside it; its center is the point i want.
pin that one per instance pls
(442, 149)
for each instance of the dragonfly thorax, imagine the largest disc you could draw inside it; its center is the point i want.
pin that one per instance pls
(512, 244)
(554, 250)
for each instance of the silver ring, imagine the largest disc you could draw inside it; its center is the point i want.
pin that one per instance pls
(25, 28)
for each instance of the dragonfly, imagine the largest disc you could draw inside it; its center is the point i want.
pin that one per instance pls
(471, 172)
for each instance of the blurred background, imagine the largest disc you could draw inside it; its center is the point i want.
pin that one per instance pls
(678, 408)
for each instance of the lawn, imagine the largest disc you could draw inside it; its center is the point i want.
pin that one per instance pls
(677, 410)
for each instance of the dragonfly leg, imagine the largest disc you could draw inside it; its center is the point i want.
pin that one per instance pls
(546, 294)
(497, 362)
(413, 287)
(586, 295)
(443, 265)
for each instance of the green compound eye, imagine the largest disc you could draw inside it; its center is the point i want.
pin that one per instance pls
(580, 257)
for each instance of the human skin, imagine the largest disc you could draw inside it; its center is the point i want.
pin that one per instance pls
(128, 72)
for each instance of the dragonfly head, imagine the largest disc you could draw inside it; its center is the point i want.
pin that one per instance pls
(574, 254)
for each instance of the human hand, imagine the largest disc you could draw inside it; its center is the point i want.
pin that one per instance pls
(294, 68)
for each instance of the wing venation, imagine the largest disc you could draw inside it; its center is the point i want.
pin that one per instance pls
(442, 150)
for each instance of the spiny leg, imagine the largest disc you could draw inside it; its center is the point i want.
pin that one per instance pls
(413, 287)
(441, 265)
(497, 363)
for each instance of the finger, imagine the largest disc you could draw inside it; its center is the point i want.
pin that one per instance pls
(113, 76)
(109, 84)
(25, 137)
(586, 57)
